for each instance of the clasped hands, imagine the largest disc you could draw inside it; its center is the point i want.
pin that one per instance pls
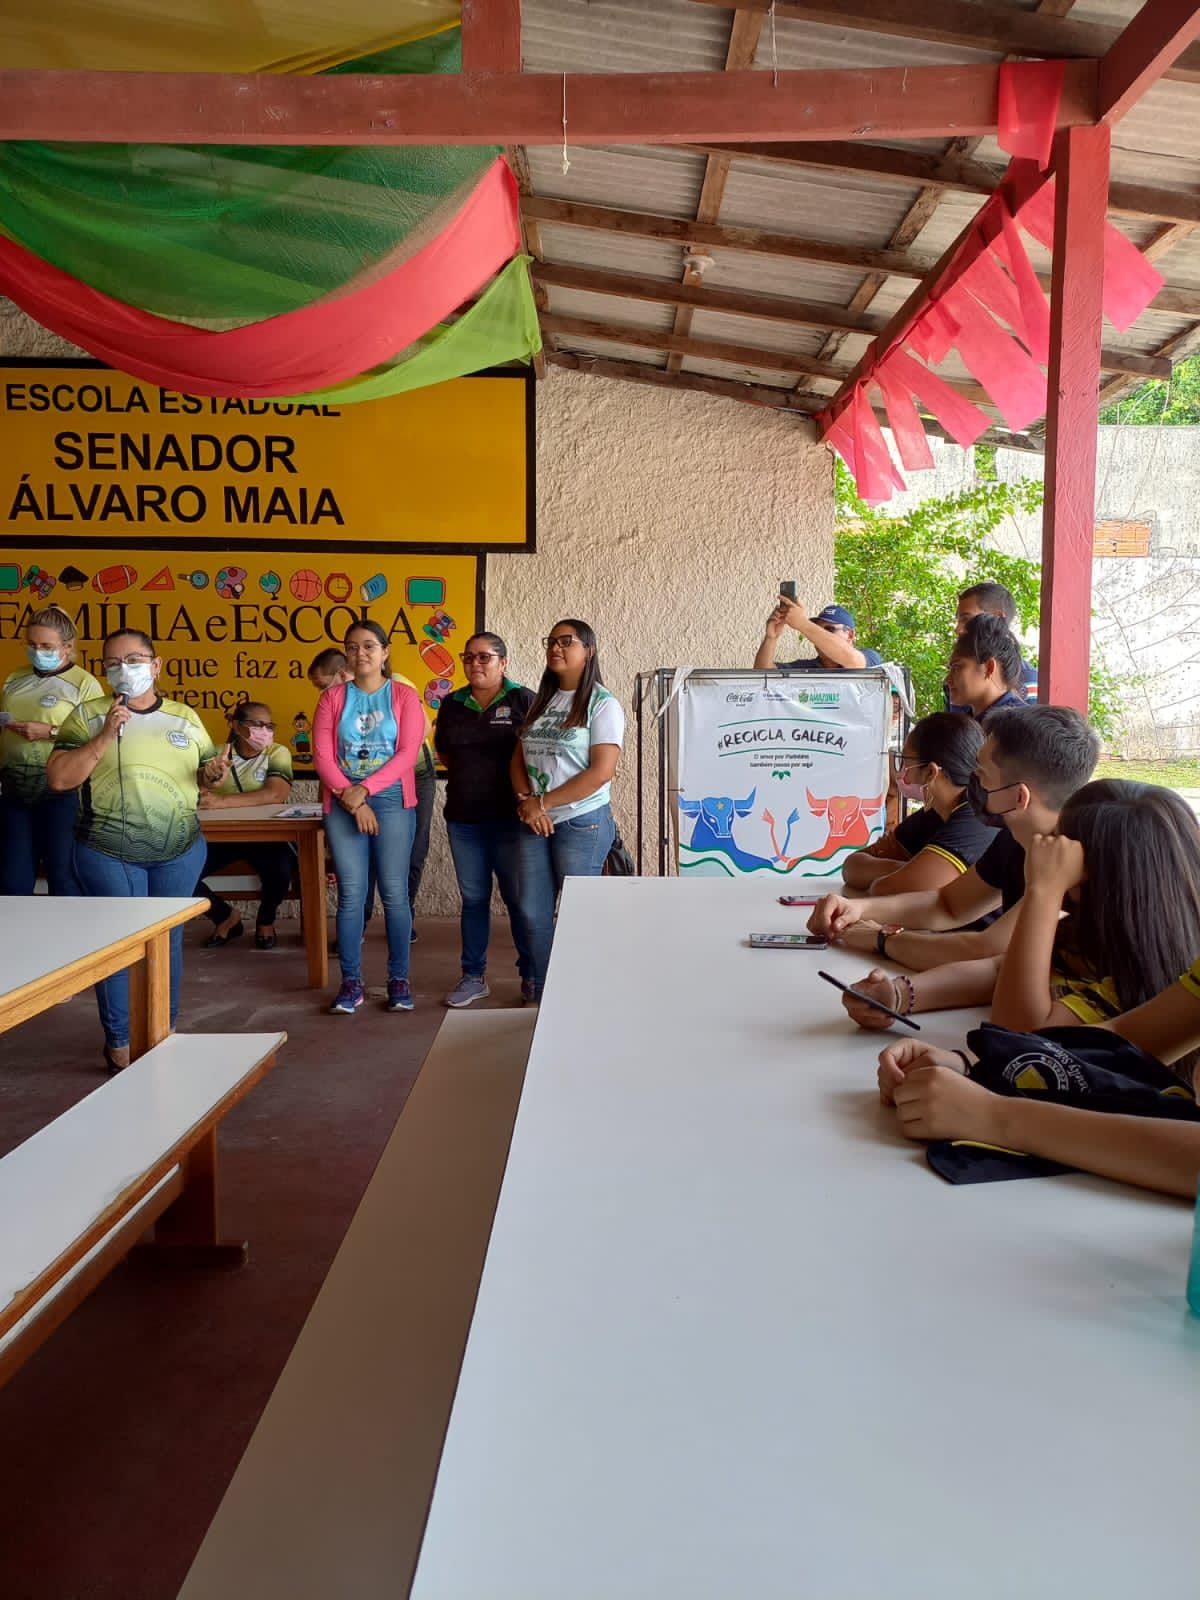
(355, 799)
(533, 814)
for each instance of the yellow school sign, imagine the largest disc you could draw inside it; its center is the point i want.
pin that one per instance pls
(88, 453)
(248, 625)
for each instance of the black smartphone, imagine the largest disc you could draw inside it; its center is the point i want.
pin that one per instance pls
(788, 589)
(787, 941)
(869, 1000)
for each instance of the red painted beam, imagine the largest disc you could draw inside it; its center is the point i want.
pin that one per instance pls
(1152, 42)
(1069, 513)
(515, 108)
(491, 35)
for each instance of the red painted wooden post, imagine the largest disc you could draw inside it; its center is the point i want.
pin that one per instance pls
(1068, 518)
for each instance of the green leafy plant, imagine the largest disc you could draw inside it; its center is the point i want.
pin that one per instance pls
(901, 576)
(1175, 403)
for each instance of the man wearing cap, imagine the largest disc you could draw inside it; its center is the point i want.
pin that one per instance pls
(831, 634)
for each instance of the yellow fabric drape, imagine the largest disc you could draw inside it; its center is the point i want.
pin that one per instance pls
(293, 36)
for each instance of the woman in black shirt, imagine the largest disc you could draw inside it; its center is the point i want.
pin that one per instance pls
(931, 847)
(475, 735)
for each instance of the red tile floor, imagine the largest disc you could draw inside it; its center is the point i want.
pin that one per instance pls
(121, 1433)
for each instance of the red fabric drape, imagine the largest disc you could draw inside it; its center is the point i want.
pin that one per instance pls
(1130, 281)
(905, 422)
(963, 421)
(312, 348)
(1027, 112)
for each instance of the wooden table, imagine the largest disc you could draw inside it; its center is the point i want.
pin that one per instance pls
(734, 1338)
(54, 946)
(264, 825)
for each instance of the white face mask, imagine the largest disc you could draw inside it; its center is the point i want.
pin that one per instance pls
(131, 680)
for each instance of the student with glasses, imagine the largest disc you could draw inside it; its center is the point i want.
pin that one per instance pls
(37, 826)
(561, 774)
(366, 739)
(254, 771)
(475, 736)
(136, 759)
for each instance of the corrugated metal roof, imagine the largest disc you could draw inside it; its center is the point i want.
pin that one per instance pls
(1157, 145)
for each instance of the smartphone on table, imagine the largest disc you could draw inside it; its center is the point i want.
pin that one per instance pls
(787, 941)
(800, 899)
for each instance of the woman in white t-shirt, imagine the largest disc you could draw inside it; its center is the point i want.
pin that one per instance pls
(561, 772)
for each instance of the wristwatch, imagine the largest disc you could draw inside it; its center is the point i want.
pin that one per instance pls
(884, 934)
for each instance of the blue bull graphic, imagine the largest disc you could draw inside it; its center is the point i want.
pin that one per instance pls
(714, 827)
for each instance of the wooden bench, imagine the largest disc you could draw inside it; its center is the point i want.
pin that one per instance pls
(331, 1495)
(139, 1151)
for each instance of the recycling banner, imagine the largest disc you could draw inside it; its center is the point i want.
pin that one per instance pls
(780, 773)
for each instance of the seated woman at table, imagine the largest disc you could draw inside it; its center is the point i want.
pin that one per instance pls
(1124, 867)
(561, 774)
(37, 826)
(254, 771)
(366, 739)
(985, 668)
(136, 760)
(935, 1100)
(933, 846)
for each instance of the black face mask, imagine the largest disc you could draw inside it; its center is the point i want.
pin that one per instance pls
(977, 795)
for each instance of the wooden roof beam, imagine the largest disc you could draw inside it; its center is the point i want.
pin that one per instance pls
(973, 27)
(1154, 40)
(949, 172)
(771, 308)
(514, 107)
(1176, 300)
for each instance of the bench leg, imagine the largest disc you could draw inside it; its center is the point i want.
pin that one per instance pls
(187, 1234)
(315, 919)
(150, 997)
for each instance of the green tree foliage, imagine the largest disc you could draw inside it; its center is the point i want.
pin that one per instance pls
(902, 575)
(1175, 403)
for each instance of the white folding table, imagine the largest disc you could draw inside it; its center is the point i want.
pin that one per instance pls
(734, 1338)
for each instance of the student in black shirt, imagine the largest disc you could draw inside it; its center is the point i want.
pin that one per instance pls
(1031, 762)
(935, 845)
(475, 735)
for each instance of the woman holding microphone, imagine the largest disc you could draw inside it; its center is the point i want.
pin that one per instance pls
(136, 760)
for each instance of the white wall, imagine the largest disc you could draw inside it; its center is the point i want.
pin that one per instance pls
(665, 519)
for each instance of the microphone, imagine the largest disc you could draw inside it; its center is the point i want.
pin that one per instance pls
(121, 700)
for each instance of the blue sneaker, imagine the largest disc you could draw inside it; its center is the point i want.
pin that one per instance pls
(399, 995)
(467, 990)
(349, 997)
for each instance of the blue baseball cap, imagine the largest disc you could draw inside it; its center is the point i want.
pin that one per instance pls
(838, 615)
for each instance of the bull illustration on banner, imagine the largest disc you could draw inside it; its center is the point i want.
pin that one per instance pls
(847, 817)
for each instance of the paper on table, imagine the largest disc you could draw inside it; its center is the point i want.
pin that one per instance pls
(291, 813)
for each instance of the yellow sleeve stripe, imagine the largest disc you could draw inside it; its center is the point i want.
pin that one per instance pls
(946, 855)
(1080, 1006)
(1191, 981)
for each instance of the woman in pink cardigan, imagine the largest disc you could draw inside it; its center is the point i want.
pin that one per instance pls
(366, 738)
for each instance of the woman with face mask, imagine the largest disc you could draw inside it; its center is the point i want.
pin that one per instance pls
(932, 846)
(37, 826)
(255, 771)
(136, 760)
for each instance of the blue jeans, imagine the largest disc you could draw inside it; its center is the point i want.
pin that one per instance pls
(105, 875)
(426, 795)
(42, 832)
(576, 849)
(386, 854)
(481, 849)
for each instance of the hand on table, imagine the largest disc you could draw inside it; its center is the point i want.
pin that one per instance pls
(889, 991)
(933, 1097)
(1053, 864)
(861, 936)
(832, 916)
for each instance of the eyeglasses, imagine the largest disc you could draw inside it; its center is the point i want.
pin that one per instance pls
(364, 646)
(126, 661)
(563, 640)
(482, 656)
(248, 722)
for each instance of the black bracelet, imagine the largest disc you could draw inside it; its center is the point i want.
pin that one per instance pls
(881, 940)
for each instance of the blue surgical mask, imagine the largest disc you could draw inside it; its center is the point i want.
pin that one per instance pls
(45, 660)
